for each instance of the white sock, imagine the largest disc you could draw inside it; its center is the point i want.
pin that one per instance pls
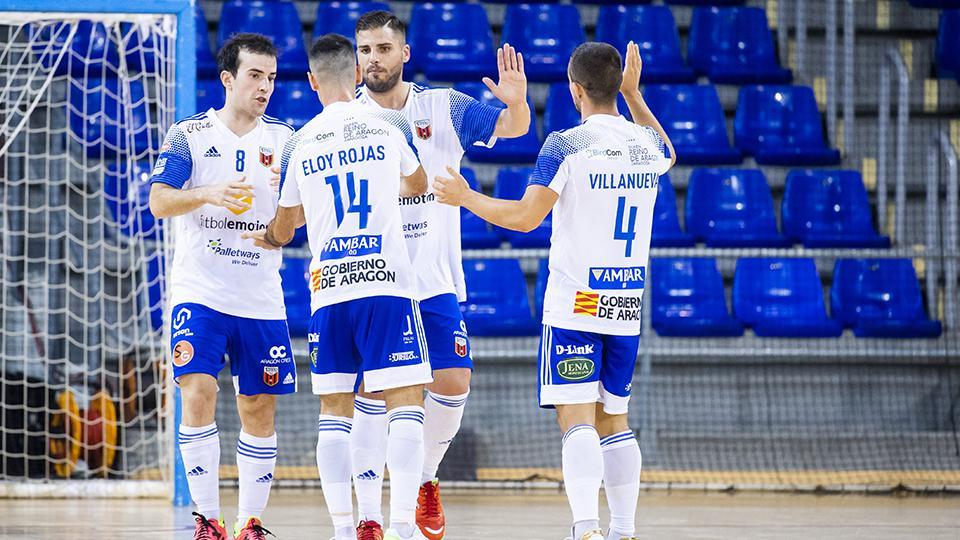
(405, 463)
(440, 426)
(368, 450)
(333, 463)
(200, 450)
(582, 475)
(256, 460)
(621, 481)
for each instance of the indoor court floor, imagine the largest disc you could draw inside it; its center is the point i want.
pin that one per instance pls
(527, 515)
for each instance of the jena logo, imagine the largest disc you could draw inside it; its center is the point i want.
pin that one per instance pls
(575, 369)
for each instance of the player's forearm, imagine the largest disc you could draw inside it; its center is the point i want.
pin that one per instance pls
(414, 185)
(166, 201)
(514, 121)
(513, 215)
(642, 115)
(279, 233)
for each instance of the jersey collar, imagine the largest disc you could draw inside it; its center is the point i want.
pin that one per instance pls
(220, 126)
(603, 119)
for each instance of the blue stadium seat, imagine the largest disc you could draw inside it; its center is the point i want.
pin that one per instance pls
(277, 20)
(734, 46)
(90, 49)
(880, 298)
(475, 233)
(666, 224)
(780, 125)
(523, 149)
(546, 34)
(512, 184)
(653, 29)
(948, 44)
(497, 303)
(705, 2)
(829, 208)
(294, 278)
(732, 208)
(559, 112)
(99, 120)
(294, 102)
(781, 298)
(452, 42)
(130, 212)
(206, 62)
(341, 17)
(688, 299)
(935, 4)
(210, 94)
(693, 118)
(543, 273)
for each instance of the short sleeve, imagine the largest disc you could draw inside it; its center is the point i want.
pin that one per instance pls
(174, 165)
(663, 163)
(549, 170)
(472, 121)
(289, 191)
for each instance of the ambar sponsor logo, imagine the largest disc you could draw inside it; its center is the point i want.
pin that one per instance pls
(575, 369)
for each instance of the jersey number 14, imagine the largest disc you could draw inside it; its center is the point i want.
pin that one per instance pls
(626, 226)
(359, 203)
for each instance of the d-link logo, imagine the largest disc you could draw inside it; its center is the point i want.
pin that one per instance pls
(278, 352)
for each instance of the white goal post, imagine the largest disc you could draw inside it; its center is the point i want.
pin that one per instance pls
(88, 89)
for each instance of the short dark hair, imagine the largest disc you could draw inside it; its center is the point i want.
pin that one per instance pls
(332, 55)
(372, 20)
(597, 67)
(228, 58)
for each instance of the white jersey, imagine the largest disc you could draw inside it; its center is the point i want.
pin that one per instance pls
(445, 122)
(344, 167)
(606, 172)
(212, 265)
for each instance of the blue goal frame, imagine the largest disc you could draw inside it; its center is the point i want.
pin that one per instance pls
(185, 104)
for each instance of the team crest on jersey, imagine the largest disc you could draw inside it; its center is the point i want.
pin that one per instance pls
(271, 375)
(460, 346)
(266, 156)
(423, 128)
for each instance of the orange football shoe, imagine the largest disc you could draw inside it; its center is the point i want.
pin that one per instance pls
(369, 530)
(430, 518)
(209, 529)
(253, 530)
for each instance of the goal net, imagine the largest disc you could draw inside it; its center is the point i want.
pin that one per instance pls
(84, 101)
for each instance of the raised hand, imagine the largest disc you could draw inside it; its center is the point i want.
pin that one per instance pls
(451, 190)
(229, 195)
(632, 65)
(511, 88)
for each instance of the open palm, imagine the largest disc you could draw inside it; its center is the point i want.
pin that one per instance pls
(511, 88)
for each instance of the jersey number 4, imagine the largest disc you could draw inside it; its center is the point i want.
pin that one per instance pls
(626, 230)
(359, 203)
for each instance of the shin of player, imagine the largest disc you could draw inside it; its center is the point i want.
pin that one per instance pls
(215, 178)
(446, 122)
(600, 179)
(342, 175)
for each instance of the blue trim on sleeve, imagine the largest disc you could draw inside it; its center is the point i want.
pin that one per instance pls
(396, 119)
(472, 121)
(275, 121)
(288, 149)
(555, 150)
(174, 166)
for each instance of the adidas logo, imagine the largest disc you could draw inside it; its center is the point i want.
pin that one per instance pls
(197, 471)
(265, 479)
(212, 152)
(288, 379)
(369, 475)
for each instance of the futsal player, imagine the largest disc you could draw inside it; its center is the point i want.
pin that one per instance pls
(343, 174)
(600, 179)
(216, 178)
(445, 122)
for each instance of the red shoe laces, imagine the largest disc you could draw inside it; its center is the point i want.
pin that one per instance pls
(430, 500)
(367, 531)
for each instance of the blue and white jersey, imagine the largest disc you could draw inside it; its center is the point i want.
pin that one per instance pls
(606, 172)
(445, 122)
(212, 265)
(344, 167)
